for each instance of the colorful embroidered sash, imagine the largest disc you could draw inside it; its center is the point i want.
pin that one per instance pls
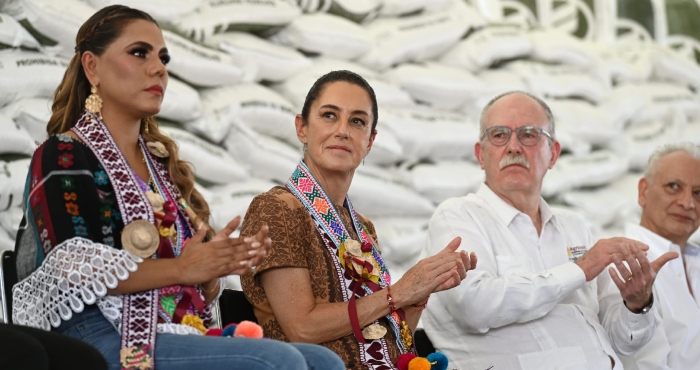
(170, 192)
(140, 310)
(329, 224)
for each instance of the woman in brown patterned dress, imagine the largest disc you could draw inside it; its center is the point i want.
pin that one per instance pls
(324, 280)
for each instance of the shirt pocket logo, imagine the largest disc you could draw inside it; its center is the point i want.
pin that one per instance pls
(575, 253)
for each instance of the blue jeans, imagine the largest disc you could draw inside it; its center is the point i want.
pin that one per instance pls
(175, 352)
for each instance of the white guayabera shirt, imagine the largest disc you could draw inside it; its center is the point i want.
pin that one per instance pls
(526, 305)
(676, 343)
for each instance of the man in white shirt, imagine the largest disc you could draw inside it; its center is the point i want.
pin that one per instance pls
(533, 301)
(669, 194)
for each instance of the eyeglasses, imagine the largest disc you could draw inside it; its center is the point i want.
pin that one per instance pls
(527, 135)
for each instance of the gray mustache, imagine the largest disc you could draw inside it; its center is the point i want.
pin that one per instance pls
(510, 160)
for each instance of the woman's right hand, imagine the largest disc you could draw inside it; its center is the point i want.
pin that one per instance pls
(201, 262)
(442, 271)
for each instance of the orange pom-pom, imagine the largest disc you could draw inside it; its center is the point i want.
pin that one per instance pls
(419, 363)
(248, 329)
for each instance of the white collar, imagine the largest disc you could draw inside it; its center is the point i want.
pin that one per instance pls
(658, 245)
(506, 212)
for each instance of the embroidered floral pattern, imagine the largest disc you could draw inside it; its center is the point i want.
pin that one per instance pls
(72, 208)
(101, 178)
(67, 183)
(106, 213)
(137, 357)
(64, 138)
(64, 146)
(65, 160)
(81, 230)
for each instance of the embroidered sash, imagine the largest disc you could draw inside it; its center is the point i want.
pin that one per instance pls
(140, 310)
(373, 353)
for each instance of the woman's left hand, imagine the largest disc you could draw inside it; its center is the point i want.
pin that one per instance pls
(442, 271)
(260, 242)
(466, 262)
(263, 250)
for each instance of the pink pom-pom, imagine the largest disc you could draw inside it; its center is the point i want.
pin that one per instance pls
(248, 329)
(403, 360)
(214, 332)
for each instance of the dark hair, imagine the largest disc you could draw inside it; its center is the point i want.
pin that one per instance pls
(335, 76)
(96, 35)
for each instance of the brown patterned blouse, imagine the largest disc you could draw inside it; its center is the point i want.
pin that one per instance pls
(296, 243)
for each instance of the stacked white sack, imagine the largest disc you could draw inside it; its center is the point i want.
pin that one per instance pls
(13, 35)
(354, 10)
(13, 176)
(439, 86)
(382, 197)
(274, 62)
(181, 102)
(211, 163)
(431, 134)
(323, 34)
(488, 46)
(199, 65)
(442, 180)
(55, 23)
(264, 157)
(31, 114)
(218, 16)
(594, 169)
(25, 74)
(420, 37)
(161, 10)
(10, 220)
(229, 201)
(296, 87)
(260, 108)
(606, 204)
(401, 240)
(14, 138)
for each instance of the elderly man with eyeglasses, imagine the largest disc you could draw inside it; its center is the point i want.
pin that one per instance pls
(539, 297)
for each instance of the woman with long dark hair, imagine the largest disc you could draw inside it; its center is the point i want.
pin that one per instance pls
(115, 248)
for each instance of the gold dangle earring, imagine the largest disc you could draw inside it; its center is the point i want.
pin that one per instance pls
(145, 124)
(93, 103)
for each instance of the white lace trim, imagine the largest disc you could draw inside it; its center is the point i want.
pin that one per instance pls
(111, 308)
(178, 329)
(76, 272)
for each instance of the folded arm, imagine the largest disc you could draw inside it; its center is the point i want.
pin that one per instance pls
(496, 293)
